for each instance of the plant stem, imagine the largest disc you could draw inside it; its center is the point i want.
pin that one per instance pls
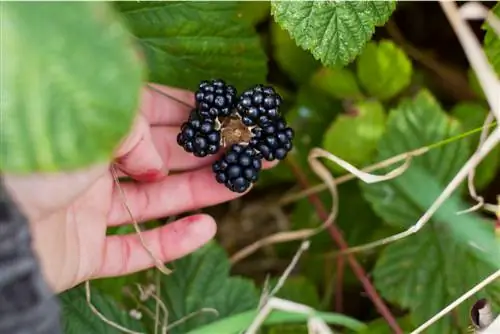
(336, 235)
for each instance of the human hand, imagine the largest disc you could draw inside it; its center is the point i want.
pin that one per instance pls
(70, 212)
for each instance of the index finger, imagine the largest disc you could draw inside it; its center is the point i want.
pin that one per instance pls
(163, 105)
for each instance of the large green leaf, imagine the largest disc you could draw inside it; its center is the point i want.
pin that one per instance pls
(492, 42)
(78, 318)
(354, 136)
(426, 271)
(71, 84)
(186, 42)
(384, 69)
(201, 280)
(472, 116)
(335, 32)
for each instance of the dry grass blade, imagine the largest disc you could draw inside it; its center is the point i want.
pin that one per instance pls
(159, 265)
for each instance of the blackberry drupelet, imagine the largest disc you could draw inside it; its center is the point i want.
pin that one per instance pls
(215, 98)
(239, 168)
(258, 105)
(199, 135)
(273, 140)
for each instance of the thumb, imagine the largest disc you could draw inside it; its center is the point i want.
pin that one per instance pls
(138, 157)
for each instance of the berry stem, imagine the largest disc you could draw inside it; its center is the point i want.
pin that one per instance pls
(336, 236)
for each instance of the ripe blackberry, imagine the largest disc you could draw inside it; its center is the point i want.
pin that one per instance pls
(215, 98)
(258, 105)
(273, 140)
(199, 135)
(238, 168)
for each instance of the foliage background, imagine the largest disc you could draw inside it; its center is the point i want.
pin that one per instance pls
(362, 100)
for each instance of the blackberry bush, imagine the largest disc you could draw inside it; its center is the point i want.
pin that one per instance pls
(252, 128)
(238, 168)
(199, 135)
(215, 98)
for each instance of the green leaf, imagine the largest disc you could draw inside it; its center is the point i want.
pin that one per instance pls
(334, 32)
(78, 318)
(472, 116)
(186, 42)
(240, 322)
(354, 136)
(340, 83)
(426, 271)
(72, 89)
(201, 280)
(380, 326)
(492, 42)
(384, 69)
(297, 63)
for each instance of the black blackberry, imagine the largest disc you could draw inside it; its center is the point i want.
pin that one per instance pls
(199, 135)
(215, 98)
(273, 140)
(258, 105)
(238, 168)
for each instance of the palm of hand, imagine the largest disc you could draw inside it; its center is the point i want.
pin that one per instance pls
(69, 214)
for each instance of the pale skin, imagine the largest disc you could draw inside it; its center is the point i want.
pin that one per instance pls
(69, 213)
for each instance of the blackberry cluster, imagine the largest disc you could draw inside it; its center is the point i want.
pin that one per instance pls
(259, 105)
(215, 98)
(238, 168)
(199, 135)
(273, 140)
(250, 125)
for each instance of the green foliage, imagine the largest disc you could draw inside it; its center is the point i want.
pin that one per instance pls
(472, 116)
(383, 69)
(186, 42)
(78, 318)
(72, 88)
(354, 136)
(380, 326)
(201, 280)
(453, 252)
(340, 83)
(492, 42)
(334, 32)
